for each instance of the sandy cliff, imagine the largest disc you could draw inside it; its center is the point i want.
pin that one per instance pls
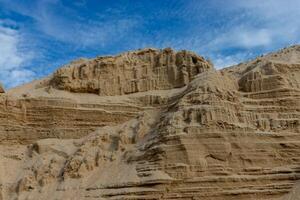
(155, 124)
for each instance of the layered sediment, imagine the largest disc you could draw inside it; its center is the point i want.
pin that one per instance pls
(131, 72)
(155, 124)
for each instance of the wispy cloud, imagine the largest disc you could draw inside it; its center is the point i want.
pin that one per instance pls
(239, 37)
(57, 31)
(246, 29)
(12, 56)
(221, 61)
(70, 26)
(50, 27)
(280, 18)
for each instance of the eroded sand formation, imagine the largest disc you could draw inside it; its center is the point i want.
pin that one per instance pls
(155, 124)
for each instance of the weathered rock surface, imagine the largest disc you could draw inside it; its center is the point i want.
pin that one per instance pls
(1, 88)
(131, 72)
(155, 124)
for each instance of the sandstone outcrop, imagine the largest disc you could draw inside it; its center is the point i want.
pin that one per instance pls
(1, 88)
(131, 72)
(155, 124)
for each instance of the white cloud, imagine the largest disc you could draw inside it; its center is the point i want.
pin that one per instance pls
(249, 28)
(269, 23)
(270, 8)
(240, 37)
(85, 34)
(252, 38)
(67, 27)
(12, 58)
(212, 28)
(19, 76)
(226, 61)
(70, 27)
(221, 61)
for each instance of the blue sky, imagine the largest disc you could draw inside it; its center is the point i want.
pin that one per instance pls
(38, 36)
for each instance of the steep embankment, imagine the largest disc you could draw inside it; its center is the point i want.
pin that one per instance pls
(155, 124)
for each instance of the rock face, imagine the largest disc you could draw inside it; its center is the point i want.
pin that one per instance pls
(1, 88)
(155, 124)
(131, 72)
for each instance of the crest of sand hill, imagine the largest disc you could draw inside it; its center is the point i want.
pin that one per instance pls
(155, 124)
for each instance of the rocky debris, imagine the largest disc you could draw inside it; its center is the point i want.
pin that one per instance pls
(228, 134)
